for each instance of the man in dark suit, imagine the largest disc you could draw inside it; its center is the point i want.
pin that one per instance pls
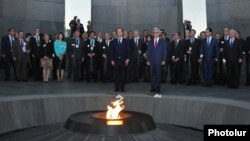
(72, 26)
(209, 52)
(6, 51)
(80, 26)
(166, 67)
(192, 50)
(20, 51)
(177, 52)
(120, 52)
(234, 57)
(35, 45)
(77, 53)
(85, 39)
(247, 51)
(156, 57)
(187, 26)
(107, 66)
(92, 58)
(222, 71)
(136, 46)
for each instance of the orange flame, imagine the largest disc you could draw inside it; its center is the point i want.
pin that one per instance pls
(114, 110)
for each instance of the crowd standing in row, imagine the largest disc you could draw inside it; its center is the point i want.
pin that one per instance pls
(124, 57)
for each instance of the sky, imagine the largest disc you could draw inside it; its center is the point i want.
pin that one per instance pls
(80, 8)
(193, 10)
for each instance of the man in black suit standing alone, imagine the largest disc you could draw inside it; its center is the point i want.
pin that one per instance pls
(73, 25)
(6, 51)
(120, 53)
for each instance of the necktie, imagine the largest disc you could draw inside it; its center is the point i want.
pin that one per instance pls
(231, 42)
(176, 43)
(21, 43)
(38, 40)
(192, 40)
(208, 42)
(11, 41)
(155, 44)
(120, 41)
(91, 42)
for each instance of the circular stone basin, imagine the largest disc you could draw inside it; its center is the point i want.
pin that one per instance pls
(94, 122)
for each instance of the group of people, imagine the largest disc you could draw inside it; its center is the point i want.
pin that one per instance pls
(124, 57)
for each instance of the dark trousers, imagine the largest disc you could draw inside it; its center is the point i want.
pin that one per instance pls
(120, 76)
(21, 67)
(82, 70)
(248, 69)
(177, 72)
(207, 66)
(142, 67)
(233, 73)
(89, 69)
(98, 69)
(216, 72)
(134, 70)
(70, 65)
(222, 75)
(36, 68)
(155, 76)
(77, 69)
(192, 71)
(164, 73)
(8, 63)
(109, 75)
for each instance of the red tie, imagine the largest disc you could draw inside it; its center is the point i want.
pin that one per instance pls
(155, 44)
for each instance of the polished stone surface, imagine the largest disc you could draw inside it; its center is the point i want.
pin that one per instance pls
(26, 15)
(229, 13)
(57, 133)
(13, 88)
(136, 15)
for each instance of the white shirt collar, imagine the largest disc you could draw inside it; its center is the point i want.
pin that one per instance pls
(157, 39)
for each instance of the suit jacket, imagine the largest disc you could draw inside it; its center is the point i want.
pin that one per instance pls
(195, 48)
(135, 49)
(97, 49)
(121, 52)
(209, 51)
(73, 25)
(106, 49)
(157, 54)
(76, 49)
(247, 47)
(233, 53)
(81, 28)
(177, 51)
(6, 45)
(47, 49)
(35, 48)
(18, 51)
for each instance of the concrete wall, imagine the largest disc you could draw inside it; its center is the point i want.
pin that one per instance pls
(27, 111)
(27, 14)
(136, 14)
(231, 13)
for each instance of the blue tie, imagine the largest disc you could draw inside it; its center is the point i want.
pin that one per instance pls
(231, 42)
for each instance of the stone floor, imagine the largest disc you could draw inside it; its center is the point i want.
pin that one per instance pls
(13, 88)
(57, 133)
